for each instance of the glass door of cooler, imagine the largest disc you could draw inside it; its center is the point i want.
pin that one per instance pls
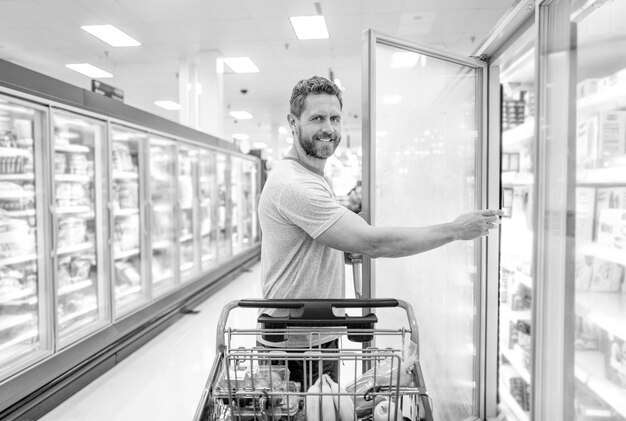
(187, 215)
(422, 158)
(130, 289)
(25, 326)
(235, 208)
(599, 261)
(207, 209)
(516, 68)
(77, 212)
(224, 250)
(162, 228)
(248, 204)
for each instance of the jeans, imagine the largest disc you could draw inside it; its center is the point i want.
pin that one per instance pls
(297, 367)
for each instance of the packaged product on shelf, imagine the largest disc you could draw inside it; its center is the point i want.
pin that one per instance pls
(612, 136)
(15, 238)
(583, 271)
(612, 228)
(72, 231)
(587, 335)
(607, 276)
(615, 360)
(588, 87)
(608, 198)
(612, 81)
(587, 142)
(585, 212)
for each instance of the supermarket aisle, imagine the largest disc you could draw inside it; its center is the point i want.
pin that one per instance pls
(163, 380)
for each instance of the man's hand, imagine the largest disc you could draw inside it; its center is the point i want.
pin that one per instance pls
(471, 225)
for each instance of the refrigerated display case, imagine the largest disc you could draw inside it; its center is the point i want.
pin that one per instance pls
(517, 116)
(224, 248)
(130, 289)
(207, 211)
(77, 218)
(25, 331)
(187, 198)
(599, 180)
(163, 194)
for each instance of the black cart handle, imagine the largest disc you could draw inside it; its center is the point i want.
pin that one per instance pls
(318, 302)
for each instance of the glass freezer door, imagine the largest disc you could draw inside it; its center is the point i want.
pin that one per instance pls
(422, 151)
(236, 205)
(187, 198)
(224, 250)
(207, 197)
(162, 180)
(25, 328)
(129, 285)
(81, 295)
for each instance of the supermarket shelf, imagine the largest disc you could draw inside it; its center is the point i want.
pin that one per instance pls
(512, 139)
(17, 295)
(121, 293)
(18, 194)
(512, 404)
(512, 315)
(611, 176)
(87, 211)
(512, 179)
(517, 365)
(75, 248)
(606, 100)
(73, 178)
(17, 177)
(611, 254)
(12, 152)
(163, 244)
(163, 277)
(184, 238)
(71, 148)
(29, 334)
(186, 266)
(125, 175)
(17, 259)
(589, 370)
(10, 321)
(76, 315)
(126, 212)
(77, 286)
(18, 214)
(605, 309)
(124, 254)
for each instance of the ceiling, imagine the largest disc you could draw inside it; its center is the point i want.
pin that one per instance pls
(44, 35)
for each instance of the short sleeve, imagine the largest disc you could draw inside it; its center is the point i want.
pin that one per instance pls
(310, 206)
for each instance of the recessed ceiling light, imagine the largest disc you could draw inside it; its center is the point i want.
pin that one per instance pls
(404, 59)
(282, 130)
(89, 70)
(111, 35)
(241, 136)
(241, 115)
(241, 64)
(168, 105)
(309, 27)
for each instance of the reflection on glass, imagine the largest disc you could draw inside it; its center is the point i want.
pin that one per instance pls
(187, 161)
(22, 328)
(129, 287)
(600, 257)
(516, 241)
(162, 197)
(425, 148)
(224, 250)
(207, 183)
(236, 206)
(80, 297)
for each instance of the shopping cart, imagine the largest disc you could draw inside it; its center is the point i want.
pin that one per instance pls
(373, 383)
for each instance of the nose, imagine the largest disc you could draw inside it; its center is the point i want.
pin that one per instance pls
(328, 126)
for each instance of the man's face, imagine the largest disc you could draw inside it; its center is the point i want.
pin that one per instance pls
(319, 126)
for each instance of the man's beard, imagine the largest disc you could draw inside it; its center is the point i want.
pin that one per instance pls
(317, 148)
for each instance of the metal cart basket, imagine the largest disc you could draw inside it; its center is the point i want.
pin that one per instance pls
(372, 383)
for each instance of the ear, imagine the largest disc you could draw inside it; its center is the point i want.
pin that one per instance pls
(291, 119)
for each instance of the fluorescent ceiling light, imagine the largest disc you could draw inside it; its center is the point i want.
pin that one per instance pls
(241, 64)
(282, 130)
(309, 27)
(89, 70)
(111, 35)
(241, 115)
(241, 136)
(168, 105)
(259, 145)
(404, 59)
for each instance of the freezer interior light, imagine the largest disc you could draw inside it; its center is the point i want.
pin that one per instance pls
(241, 115)
(404, 59)
(309, 27)
(241, 64)
(89, 70)
(111, 35)
(168, 105)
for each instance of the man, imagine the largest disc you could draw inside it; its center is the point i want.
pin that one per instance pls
(305, 230)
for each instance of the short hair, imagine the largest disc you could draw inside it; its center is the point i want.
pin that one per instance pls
(314, 85)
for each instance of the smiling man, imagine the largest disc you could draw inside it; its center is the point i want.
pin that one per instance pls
(305, 230)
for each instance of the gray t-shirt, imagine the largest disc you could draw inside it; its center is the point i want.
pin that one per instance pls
(296, 206)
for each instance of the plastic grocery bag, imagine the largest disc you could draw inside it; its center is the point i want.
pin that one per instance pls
(385, 373)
